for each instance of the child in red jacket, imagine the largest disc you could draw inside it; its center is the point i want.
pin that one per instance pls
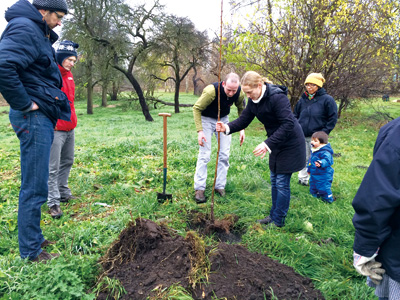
(62, 149)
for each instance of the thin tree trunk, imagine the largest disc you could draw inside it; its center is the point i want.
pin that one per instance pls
(176, 97)
(89, 73)
(104, 95)
(114, 95)
(187, 85)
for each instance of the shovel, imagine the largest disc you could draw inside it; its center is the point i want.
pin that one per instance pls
(161, 197)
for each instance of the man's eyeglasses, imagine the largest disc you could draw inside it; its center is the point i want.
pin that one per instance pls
(58, 15)
(310, 84)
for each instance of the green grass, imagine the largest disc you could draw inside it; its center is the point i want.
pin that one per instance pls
(119, 161)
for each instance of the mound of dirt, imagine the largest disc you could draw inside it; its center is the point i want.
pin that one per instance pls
(148, 258)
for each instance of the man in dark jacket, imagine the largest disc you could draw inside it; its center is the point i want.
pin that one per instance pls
(377, 215)
(30, 82)
(316, 111)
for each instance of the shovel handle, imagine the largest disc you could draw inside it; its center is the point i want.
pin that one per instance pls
(165, 115)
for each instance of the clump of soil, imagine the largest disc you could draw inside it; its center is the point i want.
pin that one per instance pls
(148, 257)
(223, 230)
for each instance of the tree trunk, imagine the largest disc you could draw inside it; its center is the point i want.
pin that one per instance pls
(194, 80)
(104, 95)
(114, 95)
(139, 92)
(176, 97)
(89, 73)
(187, 85)
(342, 105)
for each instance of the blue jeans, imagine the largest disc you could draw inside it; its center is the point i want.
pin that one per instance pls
(35, 132)
(280, 192)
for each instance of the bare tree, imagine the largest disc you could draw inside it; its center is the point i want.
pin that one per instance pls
(348, 41)
(123, 30)
(180, 48)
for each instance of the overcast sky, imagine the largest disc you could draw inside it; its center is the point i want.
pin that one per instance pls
(205, 14)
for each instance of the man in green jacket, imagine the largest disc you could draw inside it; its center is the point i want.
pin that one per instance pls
(205, 112)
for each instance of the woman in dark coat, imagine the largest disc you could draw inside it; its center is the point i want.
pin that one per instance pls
(316, 111)
(285, 142)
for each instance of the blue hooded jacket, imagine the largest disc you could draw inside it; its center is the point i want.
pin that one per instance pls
(28, 68)
(324, 156)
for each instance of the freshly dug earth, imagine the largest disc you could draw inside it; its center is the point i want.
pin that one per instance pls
(148, 258)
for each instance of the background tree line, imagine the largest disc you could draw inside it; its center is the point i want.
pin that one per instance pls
(354, 43)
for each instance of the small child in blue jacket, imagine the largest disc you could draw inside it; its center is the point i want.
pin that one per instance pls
(320, 167)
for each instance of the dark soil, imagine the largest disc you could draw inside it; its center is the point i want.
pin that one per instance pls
(222, 230)
(148, 258)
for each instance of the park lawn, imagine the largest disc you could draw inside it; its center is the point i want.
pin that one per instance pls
(119, 161)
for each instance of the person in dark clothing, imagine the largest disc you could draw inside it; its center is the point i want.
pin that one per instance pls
(285, 143)
(30, 82)
(316, 111)
(320, 167)
(377, 216)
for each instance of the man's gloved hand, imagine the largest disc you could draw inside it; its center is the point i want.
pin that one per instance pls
(367, 266)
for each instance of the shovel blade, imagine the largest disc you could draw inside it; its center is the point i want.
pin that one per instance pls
(161, 197)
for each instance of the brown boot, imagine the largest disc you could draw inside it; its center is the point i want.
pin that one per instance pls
(199, 196)
(55, 211)
(221, 192)
(45, 256)
(46, 243)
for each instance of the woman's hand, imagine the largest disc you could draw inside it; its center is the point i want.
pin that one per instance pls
(260, 150)
(242, 136)
(220, 127)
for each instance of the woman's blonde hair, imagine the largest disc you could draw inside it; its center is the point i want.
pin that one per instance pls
(252, 79)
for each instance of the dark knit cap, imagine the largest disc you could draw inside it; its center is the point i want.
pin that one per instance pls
(65, 50)
(53, 5)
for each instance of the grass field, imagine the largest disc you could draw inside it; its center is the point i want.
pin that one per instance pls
(119, 160)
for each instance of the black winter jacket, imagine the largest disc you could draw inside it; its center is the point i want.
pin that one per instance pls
(225, 103)
(28, 68)
(377, 203)
(285, 137)
(317, 114)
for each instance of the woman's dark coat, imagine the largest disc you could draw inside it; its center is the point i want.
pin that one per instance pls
(317, 114)
(285, 137)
